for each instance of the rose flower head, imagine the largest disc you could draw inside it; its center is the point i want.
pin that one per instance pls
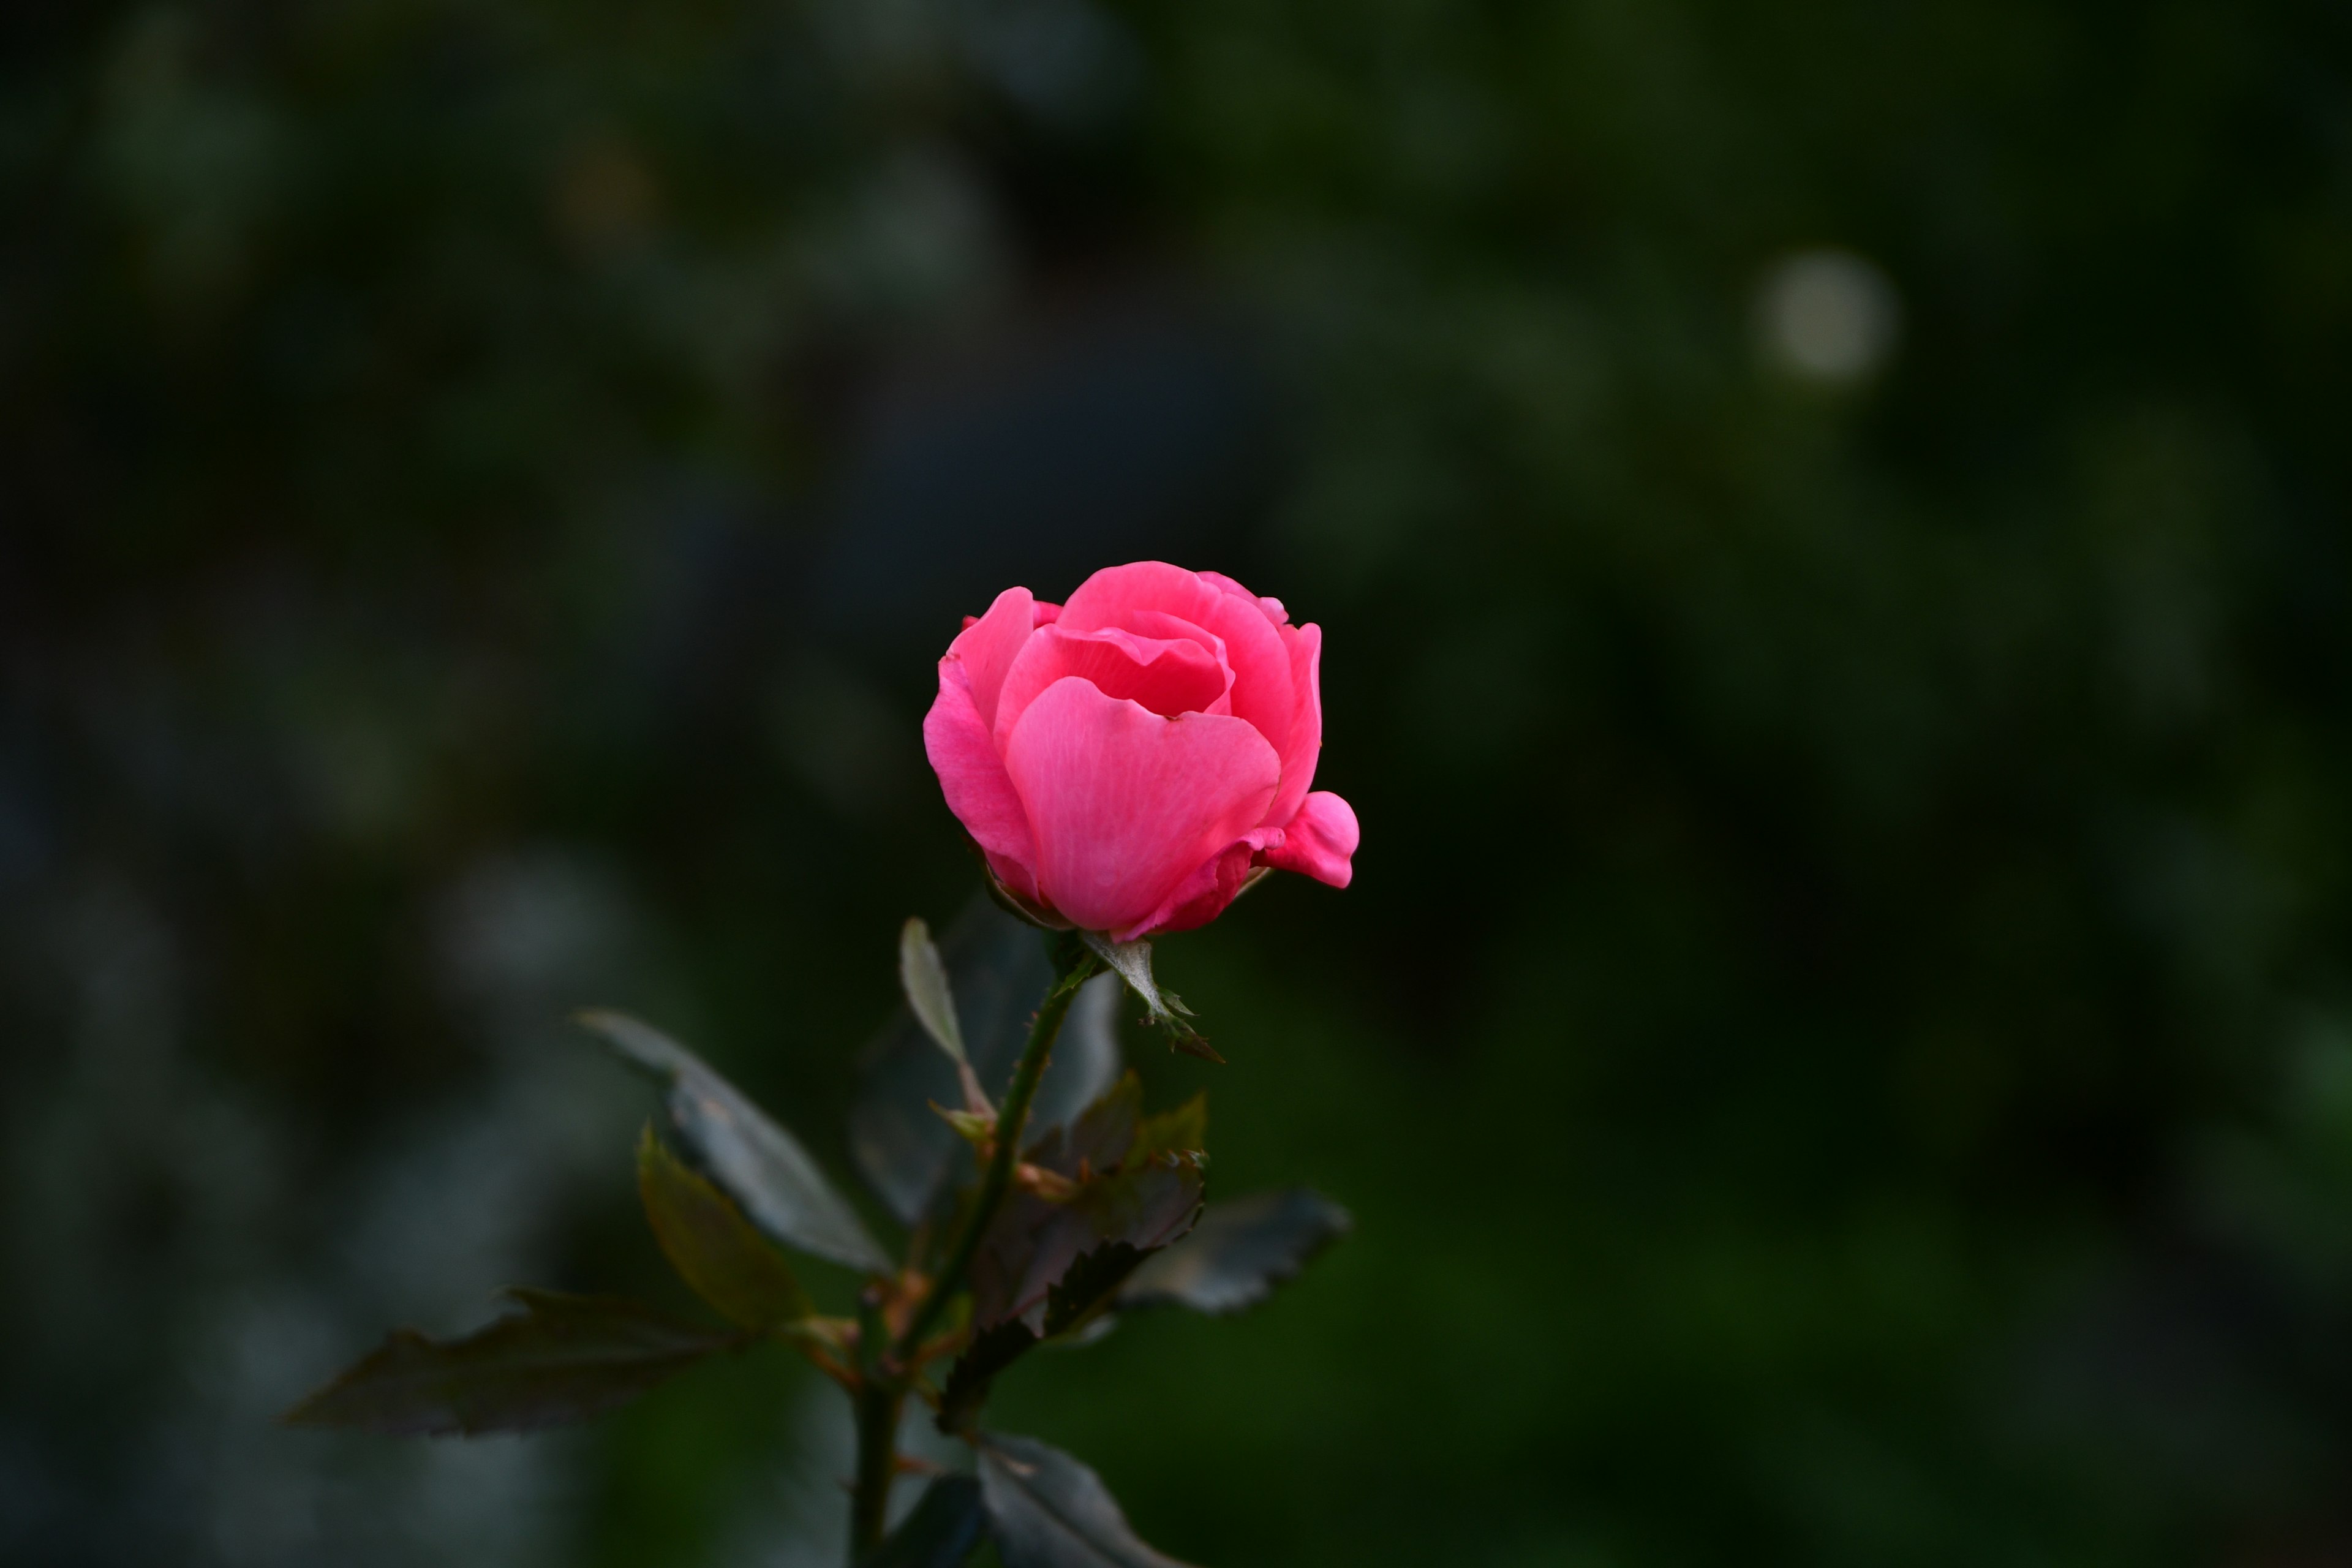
(1129, 761)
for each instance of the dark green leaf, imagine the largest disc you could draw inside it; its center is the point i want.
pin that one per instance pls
(1104, 1131)
(1131, 961)
(1072, 1303)
(1033, 1244)
(997, 973)
(1184, 1129)
(1088, 1288)
(751, 1159)
(967, 1386)
(713, 1247)
(1239, 1252)
(1047, 1510)
(941, 1533)
(1086, 1058)
(560, 1359)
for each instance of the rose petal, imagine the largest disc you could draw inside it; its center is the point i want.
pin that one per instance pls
(1273, 607)
(1167, 676)
(989, 646)
(1200, 897)
(1264, 690)
(972, 776)
(1319, 841)
(1300, 749)
(1124, 805)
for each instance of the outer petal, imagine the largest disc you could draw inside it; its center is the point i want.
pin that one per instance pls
(972, 776)
(1305, 742)
(1320, 840)
(1124, 805)
(1265, 691)
(1200, 897)
(989, 646)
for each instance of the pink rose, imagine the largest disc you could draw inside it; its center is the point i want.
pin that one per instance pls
(1127, 759)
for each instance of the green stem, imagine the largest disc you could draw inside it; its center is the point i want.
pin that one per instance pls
(1073, 965)
(882, 1371)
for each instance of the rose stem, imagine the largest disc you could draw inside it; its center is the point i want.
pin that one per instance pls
(885, 1377)
(878, 1400)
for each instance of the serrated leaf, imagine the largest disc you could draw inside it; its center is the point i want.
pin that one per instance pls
(1081, 1294)
(1131, 961)
(924, 978)
(966, 1389)
(1032, 1243)
(1185, 1129)
(997, 973)
(1048, 1511)
(1239, 1252)
(560, 1359)
(943, 1531)
(742, 1151)
(1073, 1304)
(713, 1247)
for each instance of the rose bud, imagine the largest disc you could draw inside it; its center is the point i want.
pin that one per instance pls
(1129, 761)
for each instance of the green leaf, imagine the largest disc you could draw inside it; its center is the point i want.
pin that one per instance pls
(1048, 1511)
(924, 978)
(751, 1159)
(997, 973)
(1239, 1252)
(560, 1359)
(713, 1247)
(942, 1532)
(1131, 961)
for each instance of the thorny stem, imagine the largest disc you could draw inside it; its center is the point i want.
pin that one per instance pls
(883, 1371)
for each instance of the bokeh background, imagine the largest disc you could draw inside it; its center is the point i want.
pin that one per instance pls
(1830, 523)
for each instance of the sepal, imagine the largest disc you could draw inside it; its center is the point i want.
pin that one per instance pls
(1132, 962)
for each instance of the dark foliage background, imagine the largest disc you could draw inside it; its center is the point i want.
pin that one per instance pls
(1840, 1047)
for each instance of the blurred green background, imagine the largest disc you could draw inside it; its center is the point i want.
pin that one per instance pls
(1829, 523)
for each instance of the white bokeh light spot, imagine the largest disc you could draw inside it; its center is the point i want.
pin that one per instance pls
(1828, 316)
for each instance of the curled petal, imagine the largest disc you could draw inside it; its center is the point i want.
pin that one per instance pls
(1319, 842)
(1169, 676)
(1265, 690)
